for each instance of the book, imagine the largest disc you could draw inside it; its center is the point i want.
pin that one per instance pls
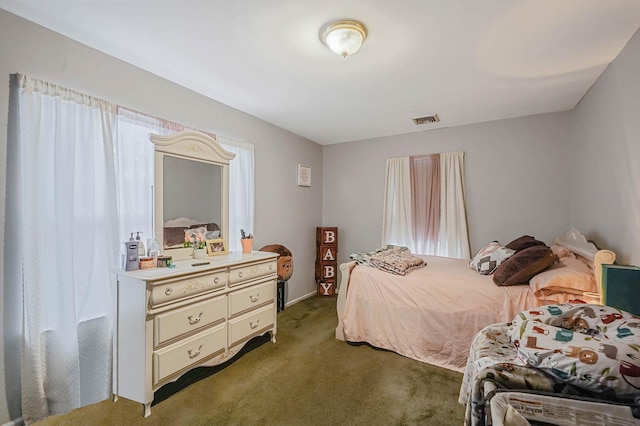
(621, 287)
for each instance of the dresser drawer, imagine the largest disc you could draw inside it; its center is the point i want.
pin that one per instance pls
(246, 299)
(194, 350)
(180, 288)
(242, 274)
(171, 324)
(252, 324)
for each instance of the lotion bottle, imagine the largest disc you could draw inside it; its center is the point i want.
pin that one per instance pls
(154, 249)
(142, 251)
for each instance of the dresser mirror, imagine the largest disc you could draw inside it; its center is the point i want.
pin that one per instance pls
(191, 189)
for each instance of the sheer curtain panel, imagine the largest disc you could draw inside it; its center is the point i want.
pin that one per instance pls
(397, 224)
(425, 192)
(135, 170)
(66, 217)
(454, 235)
(241, 190)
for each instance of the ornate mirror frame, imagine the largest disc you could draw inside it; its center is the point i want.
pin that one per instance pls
(194, 146)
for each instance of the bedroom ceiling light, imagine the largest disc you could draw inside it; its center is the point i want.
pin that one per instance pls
(344, 37)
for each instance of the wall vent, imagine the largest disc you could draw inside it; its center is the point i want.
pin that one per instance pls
(427, 119)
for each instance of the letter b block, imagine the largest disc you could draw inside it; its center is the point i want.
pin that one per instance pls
(327, 236)
(326, 270)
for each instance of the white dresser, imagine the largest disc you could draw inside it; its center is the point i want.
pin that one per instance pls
(171, 320)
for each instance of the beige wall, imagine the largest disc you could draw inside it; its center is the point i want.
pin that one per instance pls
(285, 213)
(534, 175)
(606, 158)
(515, 171)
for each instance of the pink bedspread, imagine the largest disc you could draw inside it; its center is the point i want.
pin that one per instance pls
(431, 314)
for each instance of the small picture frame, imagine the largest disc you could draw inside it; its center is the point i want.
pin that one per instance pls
(216, 247)
(304, 175)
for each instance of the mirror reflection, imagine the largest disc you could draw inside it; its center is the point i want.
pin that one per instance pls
(192, 198)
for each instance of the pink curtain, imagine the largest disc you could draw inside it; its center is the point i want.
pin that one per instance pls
(425, 206)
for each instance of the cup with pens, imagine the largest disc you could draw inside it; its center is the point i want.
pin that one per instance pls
(246, 240)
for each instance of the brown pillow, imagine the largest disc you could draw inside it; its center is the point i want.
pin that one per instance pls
(173, 236)
(210, 226)
(524, 242)
(523, 265)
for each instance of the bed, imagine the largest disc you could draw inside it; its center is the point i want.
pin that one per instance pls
(432, 314)
(174, 231)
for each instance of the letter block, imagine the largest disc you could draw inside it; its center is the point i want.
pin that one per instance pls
(326, 254)
(326, 260)
(326, 288)
(327, 236)
(326, 270)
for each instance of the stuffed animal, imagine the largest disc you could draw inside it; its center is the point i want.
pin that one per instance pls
(285, 260)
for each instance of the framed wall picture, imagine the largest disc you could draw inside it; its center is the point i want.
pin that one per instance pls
(304, 175)
(216, 247)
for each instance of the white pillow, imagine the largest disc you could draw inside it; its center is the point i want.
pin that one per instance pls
(569, 273)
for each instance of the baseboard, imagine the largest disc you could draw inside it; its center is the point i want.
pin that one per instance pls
(17, 422)
(300, 299)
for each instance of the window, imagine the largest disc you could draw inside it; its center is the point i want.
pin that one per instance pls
(80, 180)
(424, 207)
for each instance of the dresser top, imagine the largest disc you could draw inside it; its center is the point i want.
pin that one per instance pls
(189, 266)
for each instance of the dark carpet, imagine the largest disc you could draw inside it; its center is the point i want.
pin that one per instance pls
(306, 378)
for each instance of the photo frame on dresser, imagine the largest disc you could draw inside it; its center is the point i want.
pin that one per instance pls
(216, 247)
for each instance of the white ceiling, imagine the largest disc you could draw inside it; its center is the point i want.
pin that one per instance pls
(468, 61)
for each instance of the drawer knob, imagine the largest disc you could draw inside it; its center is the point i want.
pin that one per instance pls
(193, 320)
(168, 291)
(271, 267)
(254, 325)
(216, 280)
(193, 354)
(240, 274)
(254, 299)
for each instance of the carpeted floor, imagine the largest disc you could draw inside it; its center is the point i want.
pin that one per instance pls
(306, 378)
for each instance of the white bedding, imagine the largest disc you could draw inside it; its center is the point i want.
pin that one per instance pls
(431, 314)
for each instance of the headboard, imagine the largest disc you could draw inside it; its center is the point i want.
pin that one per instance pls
(578, 244)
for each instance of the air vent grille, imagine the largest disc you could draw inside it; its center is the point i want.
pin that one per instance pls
(427, 119)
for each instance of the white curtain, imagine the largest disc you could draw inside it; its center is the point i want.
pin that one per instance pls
(135, 170)
(66, 216)
(241, 191)
(427, 216)
(454, 236)
(397, 225)
(81, 179)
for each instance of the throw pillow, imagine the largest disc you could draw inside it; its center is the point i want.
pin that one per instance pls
(489, 258)
(524, 242)
(523, 265)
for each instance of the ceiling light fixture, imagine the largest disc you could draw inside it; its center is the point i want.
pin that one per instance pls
(344, 37)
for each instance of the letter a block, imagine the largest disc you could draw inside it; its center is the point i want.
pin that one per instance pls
(326, 254)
